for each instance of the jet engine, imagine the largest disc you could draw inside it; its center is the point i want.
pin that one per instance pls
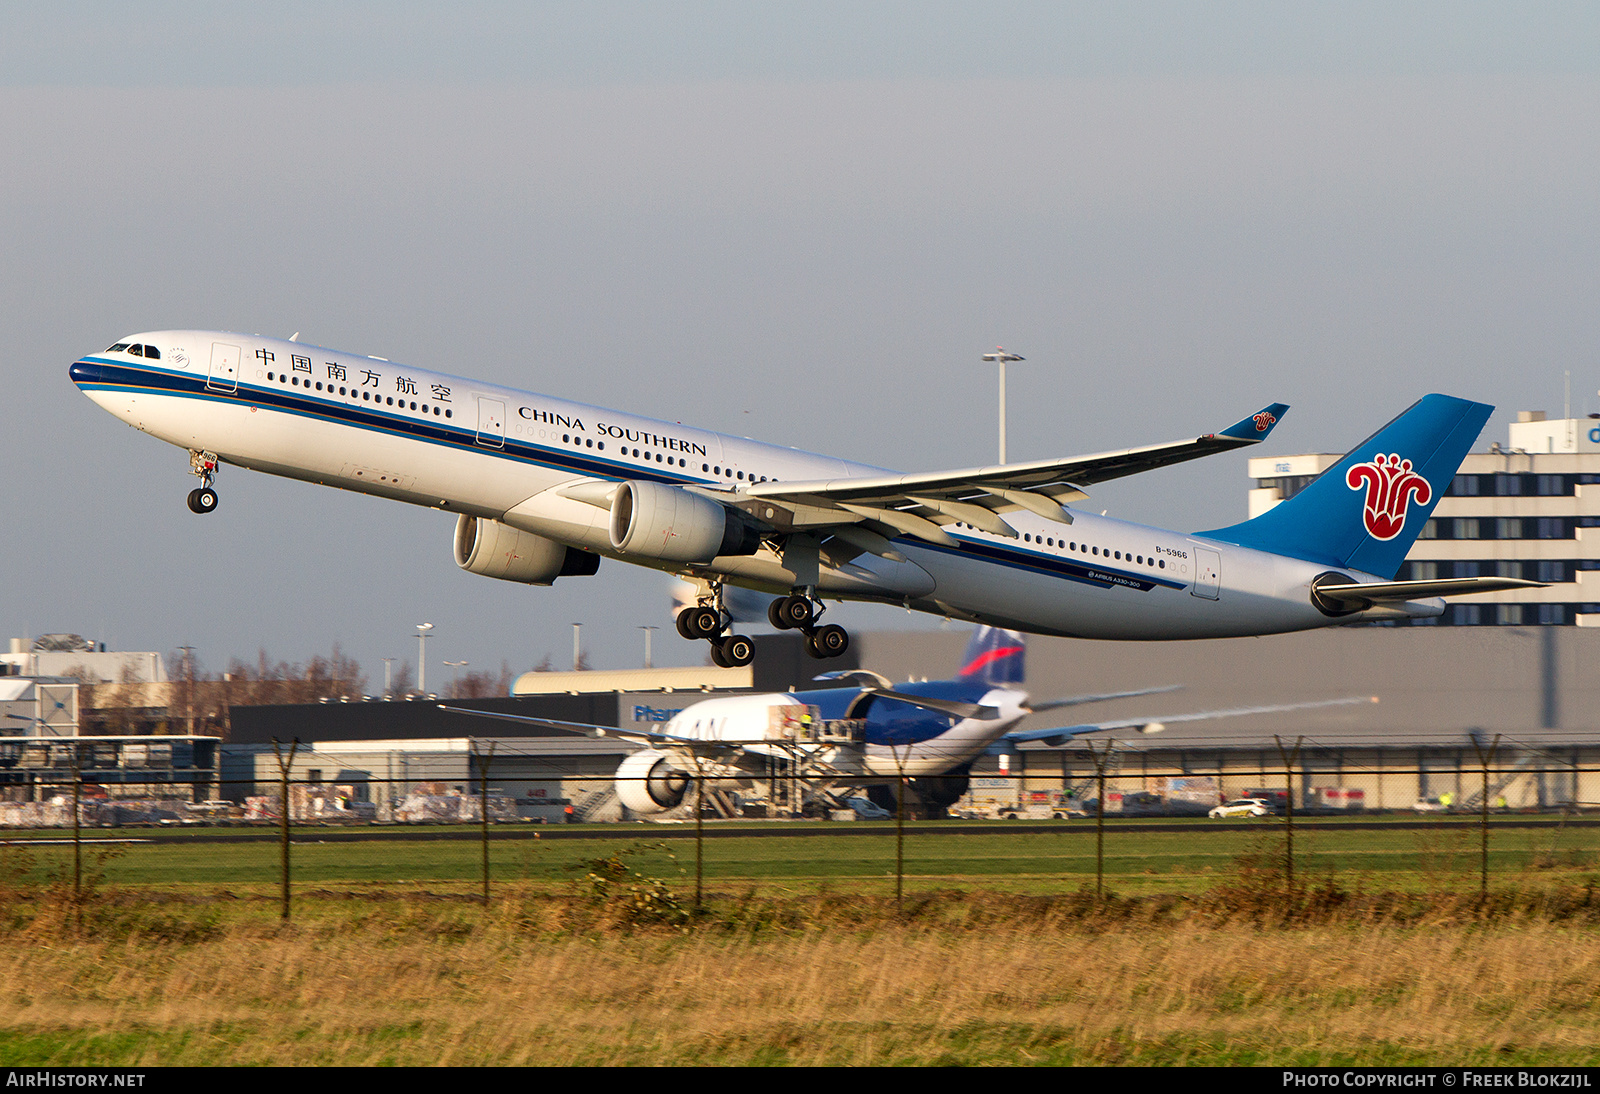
(492, 549)
(647, 782)
(676, 525)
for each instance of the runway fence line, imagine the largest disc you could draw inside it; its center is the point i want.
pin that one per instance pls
(1102, 822)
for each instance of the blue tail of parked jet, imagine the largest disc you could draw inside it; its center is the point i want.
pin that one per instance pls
(994, 657)
(1365, 511)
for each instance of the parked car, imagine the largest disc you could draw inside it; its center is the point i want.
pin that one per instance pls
(1241, 807)
(867, 810)
(1429, 805)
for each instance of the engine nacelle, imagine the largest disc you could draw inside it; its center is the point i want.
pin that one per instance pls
(647, 782)
(492, 549)
(676, 525)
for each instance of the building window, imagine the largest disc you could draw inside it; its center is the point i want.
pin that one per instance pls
(1553, 615)
(1506, 568)
(1466, 615)
(1465, 569)
(1508, 485)
(1464, 486)
(1464, 528)
(1554, 572)
(1423, 571)
(1510, 615)
(1508, 528)
(1554, 528)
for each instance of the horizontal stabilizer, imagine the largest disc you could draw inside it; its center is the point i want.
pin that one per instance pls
(1376, 592)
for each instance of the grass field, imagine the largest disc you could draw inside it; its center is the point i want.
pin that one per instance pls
(590, 951)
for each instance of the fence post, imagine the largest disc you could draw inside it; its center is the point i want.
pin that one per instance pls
(1290, 758)
(1101, 759)
(483, 809)
(77, 831)
(1484, 760)
(284, 764)
(699, 832)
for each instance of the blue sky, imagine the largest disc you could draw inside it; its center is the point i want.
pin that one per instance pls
(801, 222)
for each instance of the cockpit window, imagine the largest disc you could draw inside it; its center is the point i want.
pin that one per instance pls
(152, 353)
(137, 351)
(118, 348)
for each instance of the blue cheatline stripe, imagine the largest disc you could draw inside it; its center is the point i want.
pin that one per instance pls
(459, 437)
(119, 377)
(1099, 576)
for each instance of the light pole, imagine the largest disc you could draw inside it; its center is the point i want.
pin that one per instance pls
(388, 677)
(577, 655)
(422, 656)
(647, 630)
(454, 676)
(1000, 357)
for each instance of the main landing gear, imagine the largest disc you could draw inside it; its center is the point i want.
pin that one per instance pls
(707, 621)
(799, 612)
(203, 465)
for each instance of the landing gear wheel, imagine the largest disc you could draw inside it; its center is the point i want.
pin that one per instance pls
(716, 656)
(202, 500)
(681, 621)
(736, 650)
(790, 613)
(830, 641)
(701, 623)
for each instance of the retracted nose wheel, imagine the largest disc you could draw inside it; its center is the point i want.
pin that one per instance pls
(202, 500)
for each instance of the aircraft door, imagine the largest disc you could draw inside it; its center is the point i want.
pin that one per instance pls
(491, 422)
(1207, 573)
(224, 374)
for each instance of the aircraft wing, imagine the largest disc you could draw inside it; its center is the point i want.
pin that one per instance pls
(1106, 696)
(637, 736)
(1055, 738)
(918, 505)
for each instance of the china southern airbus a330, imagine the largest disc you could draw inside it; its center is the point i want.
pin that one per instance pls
(545, 488)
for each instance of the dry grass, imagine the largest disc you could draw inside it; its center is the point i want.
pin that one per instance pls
(955, 978)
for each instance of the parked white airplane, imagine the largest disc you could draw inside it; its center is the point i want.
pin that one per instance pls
(544, 488)
(845, 740)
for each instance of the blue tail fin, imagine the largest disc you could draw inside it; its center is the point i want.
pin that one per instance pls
(1365, 511)
(994, 657)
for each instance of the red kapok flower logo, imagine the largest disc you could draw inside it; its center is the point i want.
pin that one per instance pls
(1264, 421)
(1391, 485)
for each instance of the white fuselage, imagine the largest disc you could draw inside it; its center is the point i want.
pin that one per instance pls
(361, 423)
(766, 725)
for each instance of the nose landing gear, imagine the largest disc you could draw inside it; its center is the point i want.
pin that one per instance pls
(203, 465)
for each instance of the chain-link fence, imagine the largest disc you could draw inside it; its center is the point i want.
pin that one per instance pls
(1097, 821)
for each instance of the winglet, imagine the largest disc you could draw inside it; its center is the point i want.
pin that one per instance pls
(1258, 425)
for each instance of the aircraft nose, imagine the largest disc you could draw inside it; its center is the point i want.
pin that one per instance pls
(85, 372)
